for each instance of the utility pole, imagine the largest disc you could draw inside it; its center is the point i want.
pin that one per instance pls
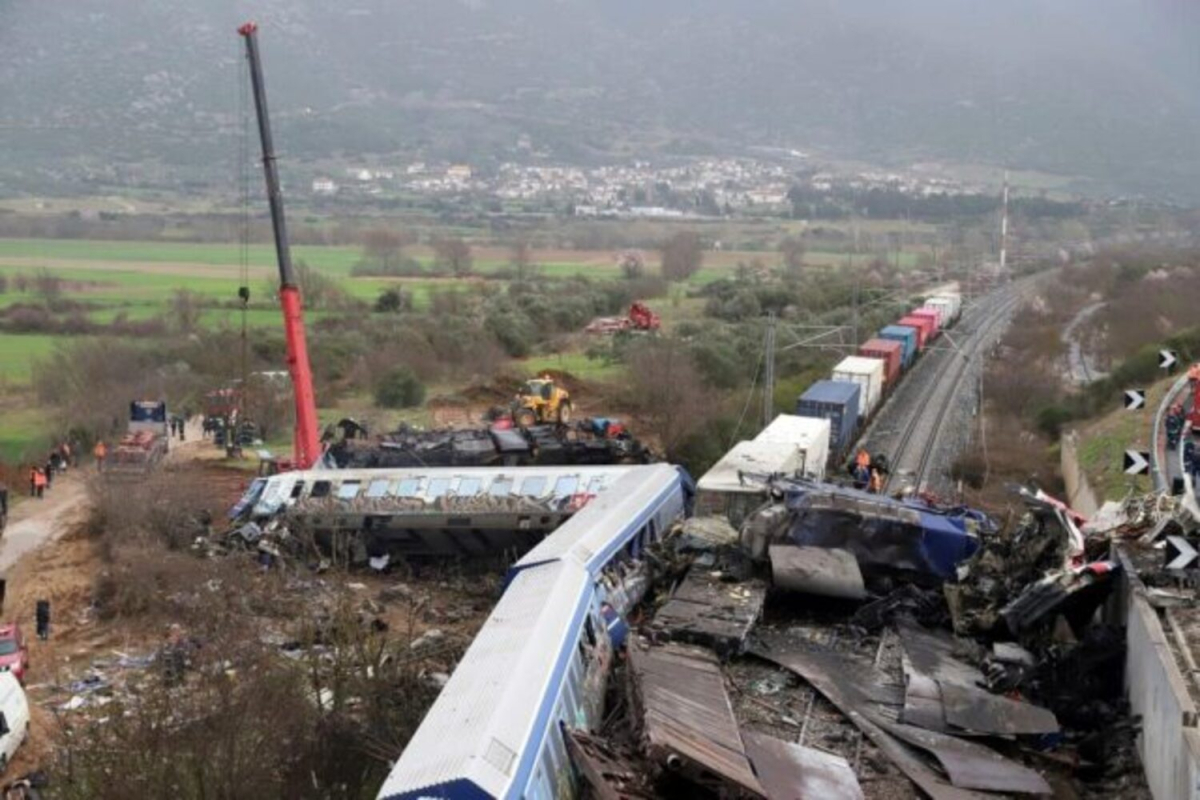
(768, 408)
(855, 314)
(1004, 228)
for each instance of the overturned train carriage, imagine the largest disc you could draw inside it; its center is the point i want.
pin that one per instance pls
(541, 662)
(435, 512)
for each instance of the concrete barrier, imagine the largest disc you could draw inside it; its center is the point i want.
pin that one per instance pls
(1169, 743)
(1080, 495)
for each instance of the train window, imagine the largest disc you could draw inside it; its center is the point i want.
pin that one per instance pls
(469, 486)
(596, 485)
(349, 490)
(566, 486)
(500, 487)
(408, 487)
(378, 488)
(438, 487)
(533, 486)
(321, 489)
(297, 489)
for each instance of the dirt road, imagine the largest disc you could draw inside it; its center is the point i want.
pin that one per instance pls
(36, 522)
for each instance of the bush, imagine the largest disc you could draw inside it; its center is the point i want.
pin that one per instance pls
(1051, 419)
(399, 388)
(392, 301)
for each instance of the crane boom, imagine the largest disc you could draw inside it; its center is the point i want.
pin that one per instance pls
(306, 444)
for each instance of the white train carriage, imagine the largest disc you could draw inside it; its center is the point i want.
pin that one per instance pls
(541, 661)
(443, 511)
(637, 510)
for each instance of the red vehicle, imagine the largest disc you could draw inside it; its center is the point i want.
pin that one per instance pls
(640, 318)
(14, 653)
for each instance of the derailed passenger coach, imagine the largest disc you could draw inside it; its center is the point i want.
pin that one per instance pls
(541, 661)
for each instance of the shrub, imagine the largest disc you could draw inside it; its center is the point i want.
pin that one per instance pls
(399, 388)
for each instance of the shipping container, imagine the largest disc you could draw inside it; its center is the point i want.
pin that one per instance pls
(807, 435)
(867, 373)
(954, 301)
(924, 327)
(890, 352)
(933, 315)
(723, 491)
(944, 308)
(837, 402)
(907, 336)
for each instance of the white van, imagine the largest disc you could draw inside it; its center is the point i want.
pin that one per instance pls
(14, 717)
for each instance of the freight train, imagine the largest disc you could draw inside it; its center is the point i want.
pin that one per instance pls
(859, 384)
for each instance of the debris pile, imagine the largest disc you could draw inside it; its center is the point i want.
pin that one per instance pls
(590, 441)
(884, 657)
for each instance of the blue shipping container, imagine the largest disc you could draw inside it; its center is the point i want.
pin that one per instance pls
(838, 402)
(906, 336)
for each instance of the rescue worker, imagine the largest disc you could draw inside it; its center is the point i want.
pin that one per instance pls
(43, 619)
(1191, 461)
(37, 483)
(100, 451)
(863, 459)
(876, 484)
(48, 470)
(64, 452)
(862, 476)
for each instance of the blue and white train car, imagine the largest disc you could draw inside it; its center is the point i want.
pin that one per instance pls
(541, 661)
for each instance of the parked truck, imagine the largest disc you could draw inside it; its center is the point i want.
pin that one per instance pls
(146, 438)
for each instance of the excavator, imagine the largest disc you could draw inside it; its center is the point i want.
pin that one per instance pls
(306, 441)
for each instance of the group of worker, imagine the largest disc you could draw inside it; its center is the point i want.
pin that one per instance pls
(41, 476)
(868, 475)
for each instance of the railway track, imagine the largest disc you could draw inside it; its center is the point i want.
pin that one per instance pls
(913, 454)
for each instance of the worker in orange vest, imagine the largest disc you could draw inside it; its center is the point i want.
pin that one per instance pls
(37, 483)
(100, 452)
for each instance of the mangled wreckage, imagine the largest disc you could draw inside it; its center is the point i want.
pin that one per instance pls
(1017, 691)
(587, 442)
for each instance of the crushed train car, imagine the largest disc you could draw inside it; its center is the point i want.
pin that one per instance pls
(428, 512)
(886, 537)
(587, 442)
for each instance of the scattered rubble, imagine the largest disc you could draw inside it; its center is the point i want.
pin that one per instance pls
(996, 678)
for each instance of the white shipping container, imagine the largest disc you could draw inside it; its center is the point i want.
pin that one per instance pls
(867, 373)
(954, 301)
(810, 437)
(722, 491)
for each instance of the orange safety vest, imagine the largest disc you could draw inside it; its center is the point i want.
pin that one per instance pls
(101, 451)
(863, 459)
(39, 477)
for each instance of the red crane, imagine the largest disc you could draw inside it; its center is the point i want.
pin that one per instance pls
(306, 444)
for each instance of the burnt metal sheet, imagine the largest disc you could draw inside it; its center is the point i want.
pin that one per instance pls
(608, 775)
(687, 716)
(706, 611)
(970, 766)
(964, 705)
(922, 700)
(978, 711)
(829, 572)
(933, 654)
(791, 771)
(824, 673)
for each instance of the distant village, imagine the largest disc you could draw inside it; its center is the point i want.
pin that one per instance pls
(641, 189)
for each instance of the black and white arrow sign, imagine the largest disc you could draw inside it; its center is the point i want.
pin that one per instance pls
(1135, 399)
(1136, 463)
(1167, 359)
(1180, 553)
